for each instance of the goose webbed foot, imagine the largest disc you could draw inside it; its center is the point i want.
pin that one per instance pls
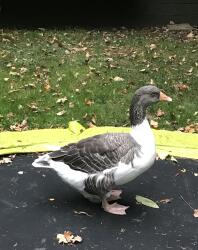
(114, 208)
(114, 195)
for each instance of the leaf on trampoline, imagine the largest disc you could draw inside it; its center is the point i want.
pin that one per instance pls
(146, 202)
(166, 200)
(195, 213)
(68, 238)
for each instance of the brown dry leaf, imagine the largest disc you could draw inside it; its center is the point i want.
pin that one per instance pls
(182, 87)
(154, 124)
(165, 201)
(118, 79)
(160, 113)
(91, 125)
(20, 126)
(192, 128)
(89, 102)
(68, 238)
(47, 86)
(60, 113)
(195, 214)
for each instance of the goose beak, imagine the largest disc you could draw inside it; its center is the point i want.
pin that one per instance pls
(164, 97)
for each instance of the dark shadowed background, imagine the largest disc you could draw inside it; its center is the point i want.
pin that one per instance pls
(97, 13)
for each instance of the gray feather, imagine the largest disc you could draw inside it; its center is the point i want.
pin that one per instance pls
(97, 153)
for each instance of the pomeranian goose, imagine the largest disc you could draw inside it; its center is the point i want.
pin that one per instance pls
(96, 165)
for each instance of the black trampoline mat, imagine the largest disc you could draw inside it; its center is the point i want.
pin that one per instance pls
(29, 220)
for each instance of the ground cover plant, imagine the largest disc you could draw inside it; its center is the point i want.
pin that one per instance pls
(49, 77)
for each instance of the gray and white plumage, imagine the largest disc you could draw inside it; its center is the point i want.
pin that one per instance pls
(97, 164)
(98, 153)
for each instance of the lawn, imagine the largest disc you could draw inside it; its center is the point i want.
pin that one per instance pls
(49, 77)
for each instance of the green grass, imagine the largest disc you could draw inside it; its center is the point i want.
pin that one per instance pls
(81, 64)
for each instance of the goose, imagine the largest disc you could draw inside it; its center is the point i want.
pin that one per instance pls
(95, 166)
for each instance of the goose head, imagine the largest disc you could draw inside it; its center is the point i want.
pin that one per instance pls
(144, 97)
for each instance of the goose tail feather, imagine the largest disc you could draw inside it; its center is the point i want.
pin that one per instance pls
(43, 161)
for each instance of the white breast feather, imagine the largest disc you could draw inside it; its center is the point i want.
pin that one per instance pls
(144, 137)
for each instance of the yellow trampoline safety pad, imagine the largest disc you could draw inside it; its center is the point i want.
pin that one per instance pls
(42, 140)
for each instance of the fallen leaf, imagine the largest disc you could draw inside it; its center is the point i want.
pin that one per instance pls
(195, 214)
(152, 46)
(152, 82)
(5, 160)
(145, 201)
(89, 102)
(47, 86)
(182, 87)
(87, 56)
(91, 125)
(190, 70)
(31, 85)
(68, 237)
(71, 105)
(20, 126)
(10, 115)
(160, 113)
(190, 35)
(154, 124)
(62, 100)
(23, 70)
(76, 74)
(165, 201)
(61, 113)
(192, 128)
(13, 73)
(61, 239)
(33, 106)
(118, 79)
